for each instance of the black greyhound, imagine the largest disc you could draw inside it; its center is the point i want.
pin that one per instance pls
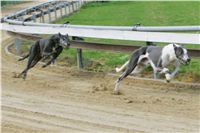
(44, 48)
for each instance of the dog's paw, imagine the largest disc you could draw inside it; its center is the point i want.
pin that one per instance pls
(164, 70)
(44, 66)
(15, 75)
(168, 77)
(117, 93)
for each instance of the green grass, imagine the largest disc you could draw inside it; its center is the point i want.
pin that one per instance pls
(130, 13)
(4, 3)
(193, 67)
(106, 60)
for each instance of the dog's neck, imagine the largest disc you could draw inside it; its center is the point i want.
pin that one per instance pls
(53, 42)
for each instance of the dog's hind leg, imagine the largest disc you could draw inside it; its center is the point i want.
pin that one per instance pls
(33, 63)
(133, 62)
(124, 75)
(116, 90)
(117, 83)
(138, 69)
(53, 63)
(32, 57)
(122, 67)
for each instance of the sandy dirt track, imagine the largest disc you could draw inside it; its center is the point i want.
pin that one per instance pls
(67, 100)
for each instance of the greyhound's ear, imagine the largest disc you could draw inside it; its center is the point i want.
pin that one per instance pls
(174, 45)
(59, 34)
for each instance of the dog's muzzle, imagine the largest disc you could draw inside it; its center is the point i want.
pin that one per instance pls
(64, 44)
(185, 62)
(188, 61)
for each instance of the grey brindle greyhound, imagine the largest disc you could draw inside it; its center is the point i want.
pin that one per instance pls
(43, 49)
(158, 57)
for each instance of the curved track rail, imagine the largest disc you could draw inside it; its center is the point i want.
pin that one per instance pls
(98, 46)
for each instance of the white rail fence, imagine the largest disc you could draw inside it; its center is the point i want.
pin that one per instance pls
(184, 38)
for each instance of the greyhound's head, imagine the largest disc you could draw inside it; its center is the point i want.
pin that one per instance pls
(181, 54)
(63, 40)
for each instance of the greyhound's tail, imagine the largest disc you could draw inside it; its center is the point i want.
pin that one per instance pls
(133, 62)
(26, 56)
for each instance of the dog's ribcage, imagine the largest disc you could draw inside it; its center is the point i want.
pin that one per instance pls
(44, 47)
(155, 54)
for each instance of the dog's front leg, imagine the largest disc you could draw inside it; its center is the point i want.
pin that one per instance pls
(49, 62)
(55, 55)
(167, 74)
(177, 68)
(155, 69)
(47, 55)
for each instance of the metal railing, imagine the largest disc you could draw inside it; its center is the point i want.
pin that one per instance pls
(98, 46)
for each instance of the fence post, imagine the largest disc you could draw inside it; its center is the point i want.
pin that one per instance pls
(61, 12)
(76, 6)
(49, 13)
(65, 10)
(72, 6)
(81, 2)
(38, 19)
(55, 13)
(78, 3)
(34, 17)
(69, 7)
(79, 54)
(43, 20)
(79, 58)
(18, 45)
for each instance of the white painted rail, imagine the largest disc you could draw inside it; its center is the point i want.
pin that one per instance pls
(184, 38)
